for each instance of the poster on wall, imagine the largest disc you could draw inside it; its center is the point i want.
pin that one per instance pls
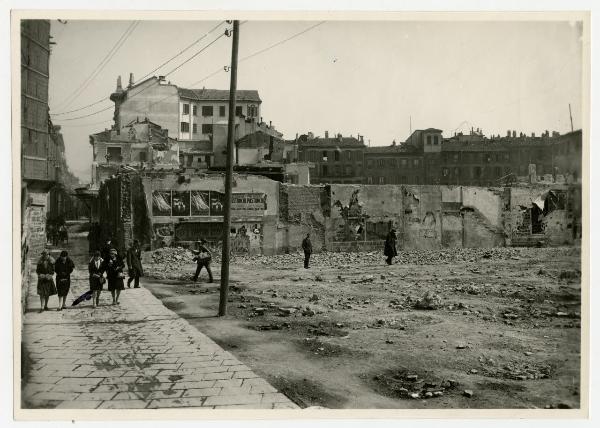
(161, 203)
(181, 203)
(248, 204)
(216, 203)
(200, 202)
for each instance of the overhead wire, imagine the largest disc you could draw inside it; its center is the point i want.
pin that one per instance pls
(150, 72)
(107, 58)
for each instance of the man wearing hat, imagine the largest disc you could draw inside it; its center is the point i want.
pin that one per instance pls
(96, 270)
(203, 257)
(390, 247)
(134, 262)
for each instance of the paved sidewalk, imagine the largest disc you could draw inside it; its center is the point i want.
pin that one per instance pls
(135, 355)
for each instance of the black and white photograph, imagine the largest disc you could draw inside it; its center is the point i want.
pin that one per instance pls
(304, 213)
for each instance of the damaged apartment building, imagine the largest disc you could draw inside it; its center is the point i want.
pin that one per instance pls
(270, 217)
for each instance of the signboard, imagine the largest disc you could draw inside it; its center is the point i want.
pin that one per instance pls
(248, 204)
(181, 203)
(216, 203)
(161, 203)
(205, 203)
(200, 202)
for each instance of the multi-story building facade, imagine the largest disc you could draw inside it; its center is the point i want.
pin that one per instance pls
(38, 153)
(333, 160)
(196, 117)
(395, 164)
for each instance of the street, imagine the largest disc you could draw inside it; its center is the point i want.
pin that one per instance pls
(502, 323)
(138, 354)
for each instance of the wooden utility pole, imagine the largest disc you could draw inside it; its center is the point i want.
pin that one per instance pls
(229, 173)
(571, 117)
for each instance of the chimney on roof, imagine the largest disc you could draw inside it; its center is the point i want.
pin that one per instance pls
(326, 134)
(514, 134)
(130, 80)
(362, 139)
(393, 143)
(533, 135)
(508, 133)
(161, 79)
(119, 86)
(555, 134)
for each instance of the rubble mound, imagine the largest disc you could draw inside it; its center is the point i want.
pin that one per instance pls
(168, 262)
(429, 301)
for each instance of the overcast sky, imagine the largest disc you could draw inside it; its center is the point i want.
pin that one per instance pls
(347, 77)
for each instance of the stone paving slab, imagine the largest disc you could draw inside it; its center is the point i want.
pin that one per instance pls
(135, 355)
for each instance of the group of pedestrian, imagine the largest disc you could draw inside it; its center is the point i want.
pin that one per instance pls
(106, 267)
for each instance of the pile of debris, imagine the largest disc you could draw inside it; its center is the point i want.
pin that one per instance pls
(516, 369)
(405, 385)
(168, 263)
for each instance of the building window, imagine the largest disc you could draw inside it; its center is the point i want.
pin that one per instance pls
(238, 111)
(186, 109)
(222, 111)
(477, 172)
(324, 155)
(498, 171)
(143, 157)
(358, 156)
(381, 180)
(416, 162)
(380, 162)
(369, 163)
(349, 171)
(457, 172)
(403, 162)
(189, 160)
(338, 171)
(252, 111)
(207, 128)
(392, 163)
(348, 155)
(455, 157)
(436, 140)
(195, 110)
(114, 154)
(445, 172)
(324, 171)
(369, 180)
(207, 111)
(429, 140)
(185, 127)
(195, 128)
(336, 155)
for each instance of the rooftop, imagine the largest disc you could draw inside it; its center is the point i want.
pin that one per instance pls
(331, 142)
(218, 94)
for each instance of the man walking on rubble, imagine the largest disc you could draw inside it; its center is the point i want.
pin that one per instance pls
(307, 247)
(389, 249)
(203, 257)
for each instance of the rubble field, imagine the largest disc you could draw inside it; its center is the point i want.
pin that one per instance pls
(460, 328)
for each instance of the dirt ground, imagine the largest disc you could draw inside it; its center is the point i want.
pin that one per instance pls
(466, 328)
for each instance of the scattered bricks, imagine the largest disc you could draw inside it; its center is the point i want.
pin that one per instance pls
(461, 346)
(428, 302)
(474, 371)
(313, 298)
(259, 311)
(412, 378)
(286, 312)
(308, 312)
(231, 362)
(414, 395)
(468, 393)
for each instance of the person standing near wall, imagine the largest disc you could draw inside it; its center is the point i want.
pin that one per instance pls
(203, 257)
(134, 263)
(63, 267)
(389, 249)
(307, 247)
(45, 284)
(96, 270)
(114, 267)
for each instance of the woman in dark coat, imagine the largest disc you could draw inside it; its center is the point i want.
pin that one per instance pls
(114, 273)
(96, 270)
(63, 267)
(390, 247)
(45, 284)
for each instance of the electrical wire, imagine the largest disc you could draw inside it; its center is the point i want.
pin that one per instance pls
(150, 72)
(107, 58)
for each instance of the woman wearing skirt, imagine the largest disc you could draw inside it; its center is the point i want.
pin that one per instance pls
(63, 267)
(45, 284)
(96, 270)
(114, 273)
